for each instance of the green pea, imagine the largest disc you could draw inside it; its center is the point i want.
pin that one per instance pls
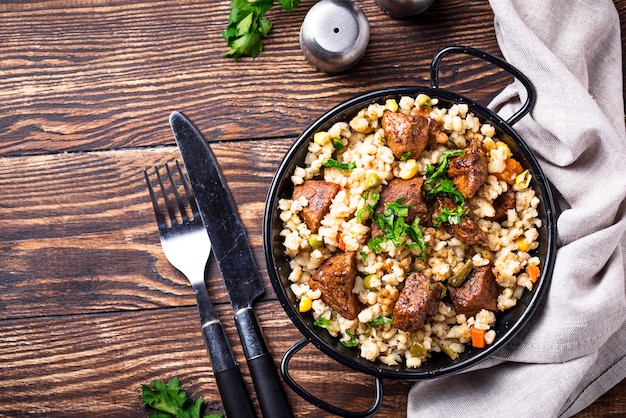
(372, 180)
(367, 281)
(315, 241)
(424, 100)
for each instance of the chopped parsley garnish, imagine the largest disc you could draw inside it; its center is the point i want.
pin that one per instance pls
(322, 322)
(339, 165)
(379, 321)
(451, 216)
(444, 162)
(392, 223)
(370, 208)
(438, 185)
(446, 187)
(352, 340)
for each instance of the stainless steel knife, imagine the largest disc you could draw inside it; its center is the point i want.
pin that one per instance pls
(234, 259)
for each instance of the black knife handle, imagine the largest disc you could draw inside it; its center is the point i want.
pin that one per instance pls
(269, 390)
(232, 388)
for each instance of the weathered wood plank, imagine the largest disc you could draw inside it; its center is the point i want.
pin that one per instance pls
(68, 86)
(95, 364)
(81, 225)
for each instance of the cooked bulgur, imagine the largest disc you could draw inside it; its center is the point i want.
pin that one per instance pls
(346, 227)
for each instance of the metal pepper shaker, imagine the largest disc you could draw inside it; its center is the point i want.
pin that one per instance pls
(404, 8)
(334, 35)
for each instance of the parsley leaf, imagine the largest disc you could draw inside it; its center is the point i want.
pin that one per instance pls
(374, 323)
(443, 164)
(437, 185)
(445, 186)
(352, 342)
(451, 216)
(337, 144)
(339, 165)
(322, 322)
(247, 26)
(392, 223)
(415, 233)
(170, 401)
(370, 208)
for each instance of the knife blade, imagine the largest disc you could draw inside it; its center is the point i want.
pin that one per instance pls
(234, 259)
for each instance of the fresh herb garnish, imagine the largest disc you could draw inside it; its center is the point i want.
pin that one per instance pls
(322, 322)
(443, 164)
(337, 144)
(405, 156)
(351, 342)
(439, 185)
(170, 401)
(247, 26)
(415, 233)
(370, 208)
(380, 321)
(339, 165)
(451, 216)
(445, 186)
(363, 255)
(392, 223)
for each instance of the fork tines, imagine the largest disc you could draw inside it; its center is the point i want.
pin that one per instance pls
(176, 196)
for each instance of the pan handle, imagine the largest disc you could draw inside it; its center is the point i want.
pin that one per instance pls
(284, 370)
(530, 89)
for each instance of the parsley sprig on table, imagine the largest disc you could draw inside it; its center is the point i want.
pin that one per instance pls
(169, 401)
(247, 26)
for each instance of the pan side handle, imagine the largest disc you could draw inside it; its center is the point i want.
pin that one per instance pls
(288, 379)
(528, 85)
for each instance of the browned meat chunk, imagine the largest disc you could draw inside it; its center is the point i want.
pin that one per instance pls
(405, 134)
(502, 204)
(469, 171)
(436, 135)
(411, 192)
(319, 194)
(419, 299)
(335, 279)
(479, 291)
(467, 231)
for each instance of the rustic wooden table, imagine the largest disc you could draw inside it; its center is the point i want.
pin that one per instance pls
(89, 307)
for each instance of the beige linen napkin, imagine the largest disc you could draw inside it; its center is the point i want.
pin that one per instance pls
(574, 348)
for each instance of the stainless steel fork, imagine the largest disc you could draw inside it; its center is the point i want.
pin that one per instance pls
(187, 247)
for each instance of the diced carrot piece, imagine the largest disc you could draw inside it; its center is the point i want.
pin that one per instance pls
(511, 170)
(478, 337)
(533, 272)
(342, 245)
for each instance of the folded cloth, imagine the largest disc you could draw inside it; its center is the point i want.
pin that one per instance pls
(574, 348)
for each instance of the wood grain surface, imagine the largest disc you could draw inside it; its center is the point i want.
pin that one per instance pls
(89, 307)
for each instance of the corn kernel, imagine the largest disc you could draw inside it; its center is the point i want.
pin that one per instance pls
(522, 181)
(305, 304)
(321, 138)
(391, 105)
(408, 170)
(522, 245)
